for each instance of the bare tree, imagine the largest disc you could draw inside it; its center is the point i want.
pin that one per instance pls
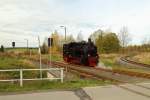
(79, 37)
(148, 40)
(124, 36)
(145, 40)
(146, 43)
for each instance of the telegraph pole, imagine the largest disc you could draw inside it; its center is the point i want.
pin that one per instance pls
(65, 29)
(40, 57)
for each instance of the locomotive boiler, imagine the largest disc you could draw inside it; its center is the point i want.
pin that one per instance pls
(82, 53)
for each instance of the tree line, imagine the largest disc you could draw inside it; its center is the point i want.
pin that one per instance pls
(106, 42)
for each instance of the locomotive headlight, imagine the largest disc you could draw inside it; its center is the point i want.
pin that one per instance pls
(88, 55)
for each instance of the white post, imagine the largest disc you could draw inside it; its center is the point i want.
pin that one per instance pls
(65, 28)
(61, 75)
(21, 77)
(40, 58)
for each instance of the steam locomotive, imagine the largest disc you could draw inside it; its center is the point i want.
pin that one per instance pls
(82, 53)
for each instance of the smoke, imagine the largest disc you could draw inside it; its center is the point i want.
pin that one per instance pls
(102, 65)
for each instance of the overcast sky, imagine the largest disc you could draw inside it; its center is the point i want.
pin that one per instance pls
(26, 19)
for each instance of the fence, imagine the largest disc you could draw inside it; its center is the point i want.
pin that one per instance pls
(21, 79)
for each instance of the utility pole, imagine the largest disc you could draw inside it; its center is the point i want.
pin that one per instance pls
(27, 44)
(65, 29)
(40, 57)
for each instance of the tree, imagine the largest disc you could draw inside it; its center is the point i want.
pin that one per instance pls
(99, 42)
(2, 48)
(111, 43)
(44, 49)
(96, 35)
(146, 40)
(79, 37)
(124, 36)
(56, 41)
(107, 42)
(69, 39)
(97, 39)
(46, 40)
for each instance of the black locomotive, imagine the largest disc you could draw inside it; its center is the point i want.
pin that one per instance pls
(84, 53)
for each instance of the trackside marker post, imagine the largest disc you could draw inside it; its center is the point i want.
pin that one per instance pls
(21, 77)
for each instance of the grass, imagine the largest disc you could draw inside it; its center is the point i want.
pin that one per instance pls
(20, 49)
(110, 60)
(53, 57)
(142, 57)
(51, 85)
(9, 62)
(15, 62)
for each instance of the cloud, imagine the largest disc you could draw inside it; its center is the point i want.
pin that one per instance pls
(21, 19)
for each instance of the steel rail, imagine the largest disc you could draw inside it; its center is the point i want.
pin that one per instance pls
(125, 59)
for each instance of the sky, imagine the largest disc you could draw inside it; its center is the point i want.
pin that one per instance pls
(28, 19)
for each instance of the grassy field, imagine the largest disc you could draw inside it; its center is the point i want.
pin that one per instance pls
(12, 61)
(142, 57)
(53, 57)
(110, 61)
(20, 49)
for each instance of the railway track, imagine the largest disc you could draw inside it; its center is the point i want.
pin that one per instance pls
(102, 73)
(126, 59)
(88, 71)
(119, 80)
(110, 75)
(130, 64)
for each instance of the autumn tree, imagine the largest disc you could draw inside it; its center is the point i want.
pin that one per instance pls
(56, 41)
(111, 43)
(99, 42)
(106, 41)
